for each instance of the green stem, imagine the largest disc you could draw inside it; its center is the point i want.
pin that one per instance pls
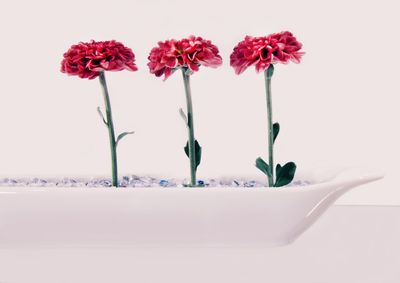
(268, 75)
(110, 126)
(191, 141)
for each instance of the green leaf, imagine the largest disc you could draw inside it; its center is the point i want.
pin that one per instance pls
(197, 152)
(275, 130)
(121, 135)
(184, 117)
(278, 169)
(102, 116)
(284, 174)
(263, 166)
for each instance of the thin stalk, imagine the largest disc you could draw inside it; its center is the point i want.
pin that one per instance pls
(191, 140)
(268, 75)
(110, 126)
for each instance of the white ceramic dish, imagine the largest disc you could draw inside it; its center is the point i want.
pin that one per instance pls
(166, 217)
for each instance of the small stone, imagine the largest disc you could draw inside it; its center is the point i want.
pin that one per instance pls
(136, 181)
(104, 183)
(124, 181)
(8, 182)
(164, 183)
(141, 181)
(212, 183)
(250, 184)
(236, 183)
(174, 182)
(66, 182)
(36, 182)
(224, 182)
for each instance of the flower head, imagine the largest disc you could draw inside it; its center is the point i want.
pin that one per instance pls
(265, 50)
(87, 59)
(190, 52)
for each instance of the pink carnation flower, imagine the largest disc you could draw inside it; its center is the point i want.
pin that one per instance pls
(190, 52)
(87, 59)
(265, 50)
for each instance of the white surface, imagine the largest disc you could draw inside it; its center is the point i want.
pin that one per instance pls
(358, 244)
(167, 217)
(338, 107)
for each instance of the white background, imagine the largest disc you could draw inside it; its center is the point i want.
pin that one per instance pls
(338, 108)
